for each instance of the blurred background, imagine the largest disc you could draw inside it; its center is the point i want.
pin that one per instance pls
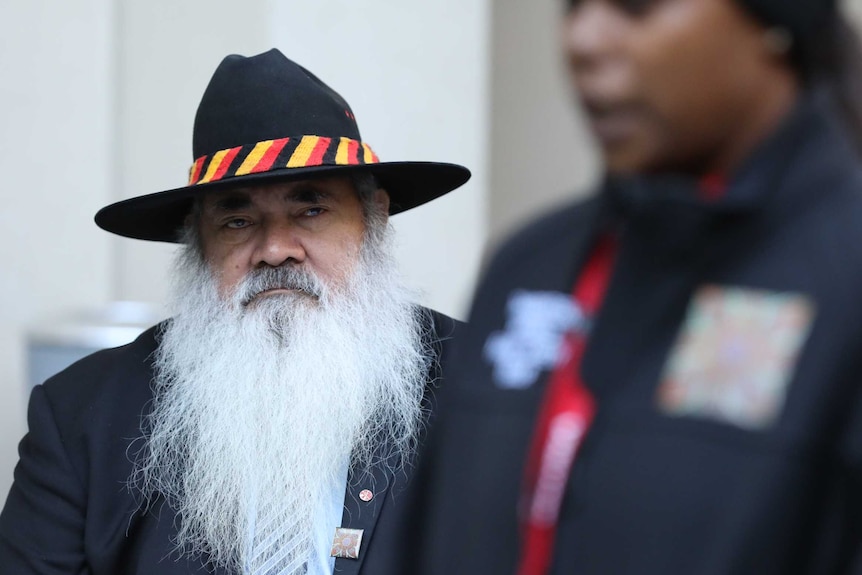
(97, 101)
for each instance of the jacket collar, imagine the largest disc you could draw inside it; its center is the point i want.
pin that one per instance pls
(811, 130)
(361, 514)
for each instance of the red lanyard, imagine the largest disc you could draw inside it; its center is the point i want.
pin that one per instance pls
(567, 412)
(712, 187)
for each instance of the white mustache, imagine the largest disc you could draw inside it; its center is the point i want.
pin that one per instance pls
(284, 277)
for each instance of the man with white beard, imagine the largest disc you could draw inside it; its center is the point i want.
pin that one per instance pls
(268, 428)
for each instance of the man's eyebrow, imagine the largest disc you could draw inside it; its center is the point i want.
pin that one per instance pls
(307, 194)
(229, 202)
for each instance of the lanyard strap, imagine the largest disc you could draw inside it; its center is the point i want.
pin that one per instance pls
(567, 411)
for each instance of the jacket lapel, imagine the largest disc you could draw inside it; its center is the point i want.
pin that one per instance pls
(362, 514)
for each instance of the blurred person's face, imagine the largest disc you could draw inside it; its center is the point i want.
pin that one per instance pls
(314, 225)
(687, 85)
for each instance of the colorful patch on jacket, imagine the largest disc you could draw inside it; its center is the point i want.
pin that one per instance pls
(530, 342)
(735, 355)
(346, 543)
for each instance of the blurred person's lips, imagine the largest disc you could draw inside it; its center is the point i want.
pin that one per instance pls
(612, 122)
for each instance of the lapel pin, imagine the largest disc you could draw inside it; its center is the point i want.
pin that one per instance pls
(366, 495)
(346, 543)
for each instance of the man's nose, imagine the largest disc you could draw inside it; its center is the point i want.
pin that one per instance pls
(279, 244)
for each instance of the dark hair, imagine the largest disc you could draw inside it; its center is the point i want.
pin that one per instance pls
(831, 56)
(365, 185)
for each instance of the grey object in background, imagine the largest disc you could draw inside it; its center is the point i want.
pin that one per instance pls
(55, 344)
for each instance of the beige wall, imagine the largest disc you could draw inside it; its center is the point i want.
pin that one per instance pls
(540, 152)
(56, 153)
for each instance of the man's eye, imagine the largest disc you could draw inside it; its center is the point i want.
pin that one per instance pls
(313, 211)
(237, 223)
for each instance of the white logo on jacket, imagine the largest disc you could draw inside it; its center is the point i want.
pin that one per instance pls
(536, 323)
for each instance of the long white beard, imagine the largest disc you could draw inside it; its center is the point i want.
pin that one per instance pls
(258, 410)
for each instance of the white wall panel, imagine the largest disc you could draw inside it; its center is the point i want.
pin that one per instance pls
(541, 153)
(56, 161)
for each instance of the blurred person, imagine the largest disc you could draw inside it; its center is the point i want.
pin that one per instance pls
(270, 426)
(665, 378)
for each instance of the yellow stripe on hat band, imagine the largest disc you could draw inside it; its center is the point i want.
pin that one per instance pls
(194, 171)
(214, 164)
(253, 157)
(341, 155)
(367, 154)
(303, 151)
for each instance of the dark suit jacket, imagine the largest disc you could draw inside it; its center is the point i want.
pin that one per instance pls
(69, 510)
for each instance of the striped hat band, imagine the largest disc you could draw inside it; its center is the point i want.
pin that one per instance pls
(284, 153)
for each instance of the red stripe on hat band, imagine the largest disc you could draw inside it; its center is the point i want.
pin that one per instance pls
(220, 164)
(352, 152)
(225, 163)
(196, 170)
(269, 157)
(316, 157)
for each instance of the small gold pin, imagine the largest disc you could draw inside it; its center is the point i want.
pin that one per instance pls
(366, 495)
(346, 543)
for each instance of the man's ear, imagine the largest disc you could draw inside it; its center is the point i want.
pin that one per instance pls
(381, 199)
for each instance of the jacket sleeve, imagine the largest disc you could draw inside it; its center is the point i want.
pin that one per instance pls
(42, 523)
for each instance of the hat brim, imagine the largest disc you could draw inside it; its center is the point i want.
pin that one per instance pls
(160, 216)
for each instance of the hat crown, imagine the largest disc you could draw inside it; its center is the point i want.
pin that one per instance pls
(267, 97)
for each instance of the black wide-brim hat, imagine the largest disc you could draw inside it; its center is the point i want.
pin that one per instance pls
(264, 119)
